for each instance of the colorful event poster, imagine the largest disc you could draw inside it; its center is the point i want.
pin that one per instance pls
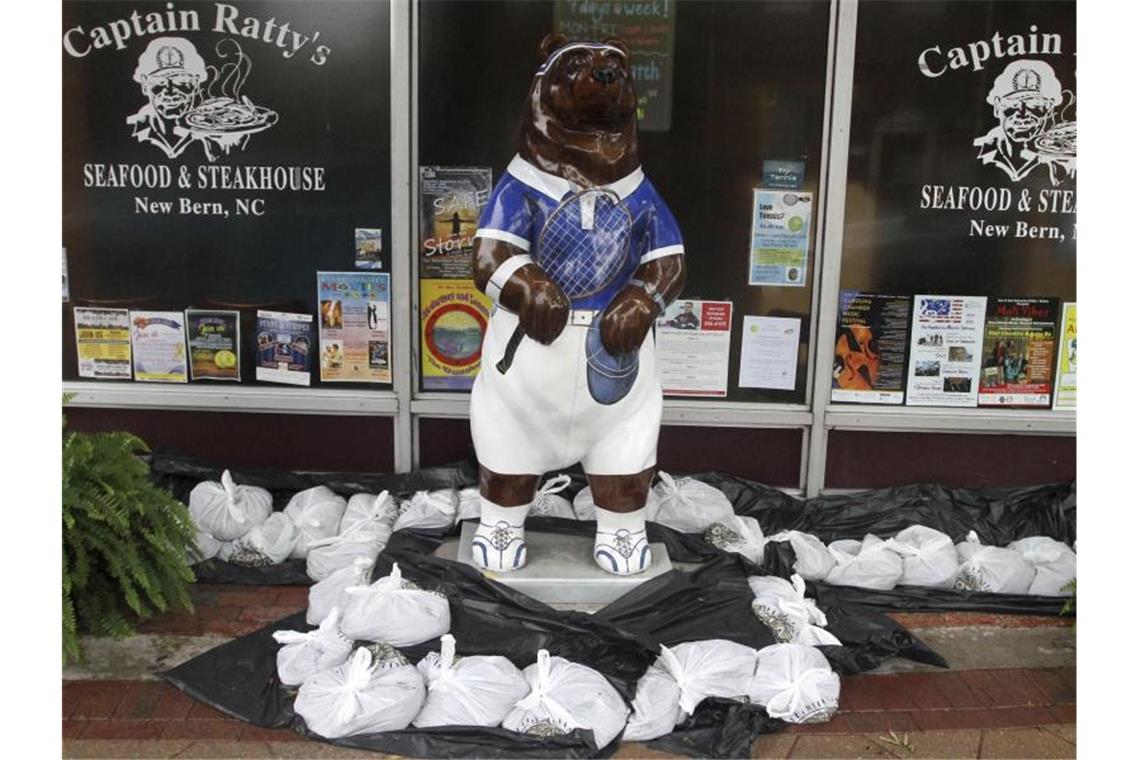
(693, 343)
(284, 347)
(369, 248)
(215, 345)
(870, 348)
(769, 352)
(945, 350)
(1017, 354)
(453, 317)
(103, 343)
(451, 199)
(781, 230)
(355, 327)
(158, 346)
(1065, 394)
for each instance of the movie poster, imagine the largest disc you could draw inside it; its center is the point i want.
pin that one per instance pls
(781, 234)
(451, 199)
(284, 347)
(1065, 395)
(103, 343)
(1017, 355)
(355, 327)
(215, 345)
(945, 350)
(453, 317)
(870, 348)
(693, 341)
(158, 346)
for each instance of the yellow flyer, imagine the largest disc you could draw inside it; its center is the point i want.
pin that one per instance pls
(453, 317)
(103, 343)
(1065, 397)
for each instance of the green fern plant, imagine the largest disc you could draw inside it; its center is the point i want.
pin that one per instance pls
(125, 540)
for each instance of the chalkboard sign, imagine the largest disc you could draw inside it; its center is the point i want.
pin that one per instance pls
(219, 154)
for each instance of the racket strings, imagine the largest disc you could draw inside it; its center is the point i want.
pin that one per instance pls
(584, 244)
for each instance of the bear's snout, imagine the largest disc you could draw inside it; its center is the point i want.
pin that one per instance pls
(606, 74)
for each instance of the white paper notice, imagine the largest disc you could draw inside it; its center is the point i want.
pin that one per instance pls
(769, 352)
(158, 346)
(945, 350)
(693, 341)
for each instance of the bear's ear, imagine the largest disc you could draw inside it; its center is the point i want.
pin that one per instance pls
(549, 44)
(619, 43)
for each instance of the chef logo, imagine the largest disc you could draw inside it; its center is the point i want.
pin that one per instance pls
(1030, 107)
(190, 102)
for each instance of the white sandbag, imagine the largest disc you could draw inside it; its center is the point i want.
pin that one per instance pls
(364, 532)
(306, 653)
(690, 506)
(394, 611)
(795, 683)
(208, 547)
(225, 549)
(996, 570)
(656, 706)
(929, 558)
(813, 559)
(739, 535)
(585, 508)
(469, 504)
(867, 564)
(316, 512)
(359, 698)
(966, 549)
(226, 510)
(476, 690)
(428, 510)
(783, 607)
(329, 593)
(565, 695)
(1055, 563)
(547, 502)
(267, 544)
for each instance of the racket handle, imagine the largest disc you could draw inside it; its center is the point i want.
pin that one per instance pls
(509, 354)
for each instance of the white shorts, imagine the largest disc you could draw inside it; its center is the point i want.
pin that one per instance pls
(540, 416)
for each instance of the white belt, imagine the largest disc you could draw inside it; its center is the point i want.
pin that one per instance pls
(578, 317)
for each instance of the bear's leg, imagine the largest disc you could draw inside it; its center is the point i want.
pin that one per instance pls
(621, 546)
(500, 541)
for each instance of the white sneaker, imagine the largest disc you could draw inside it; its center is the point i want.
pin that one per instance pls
(622, 552)
(499, 546)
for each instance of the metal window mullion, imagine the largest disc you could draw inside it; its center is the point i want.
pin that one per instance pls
(400, 94)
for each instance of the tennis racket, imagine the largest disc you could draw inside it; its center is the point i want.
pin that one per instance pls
(583, 247)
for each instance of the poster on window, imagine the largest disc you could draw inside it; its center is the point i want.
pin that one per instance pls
(215, 344)
(870, 348)
(451, 199)
(354, 329)
(781, 229)
(158, 346)
(453, 318)
(1017, 355)
(945, 350)
(1065, 395)
(769, 352)
(284, 347)
(103, 343)
(693, 343)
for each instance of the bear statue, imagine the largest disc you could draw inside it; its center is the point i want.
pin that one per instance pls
(580, 255)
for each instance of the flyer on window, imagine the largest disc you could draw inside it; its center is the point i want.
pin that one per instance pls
(693, 343)
(1017, 354)
(66, 281)
(284, 347)
(355, 327)
(158, 346)
(1065, 396)
(215, 344)
(453, 318)
(769, 352)
(451, 199)
(781, 229)
(945, 350)
(369, 248)
(103, 343)
(870, 348)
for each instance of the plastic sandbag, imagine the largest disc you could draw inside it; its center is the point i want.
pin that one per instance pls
(565, 695)
(813, 559)
(267, 544)
(867, 564)
(928, 557)
(395, 611)
(547, 502)
(364, 532)
(428, 510)
(316, 512)
(690, 506)
(782, 606)
(795, 683)
(307, 653)
(327, 594)
(996, 570)
(966, 549)
(208, 547)
(468, 691)
(358, 698)
(585, 508)
(1055, 563)
(226, 510)
(656, 706)
(469, 504)
(739, 535)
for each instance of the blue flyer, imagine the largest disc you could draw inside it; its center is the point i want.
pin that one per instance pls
(284, 347)
(781, 229)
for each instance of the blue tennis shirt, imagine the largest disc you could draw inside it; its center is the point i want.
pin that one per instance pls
(525, 196)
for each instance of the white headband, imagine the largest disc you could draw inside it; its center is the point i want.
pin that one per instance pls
(575, 46)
